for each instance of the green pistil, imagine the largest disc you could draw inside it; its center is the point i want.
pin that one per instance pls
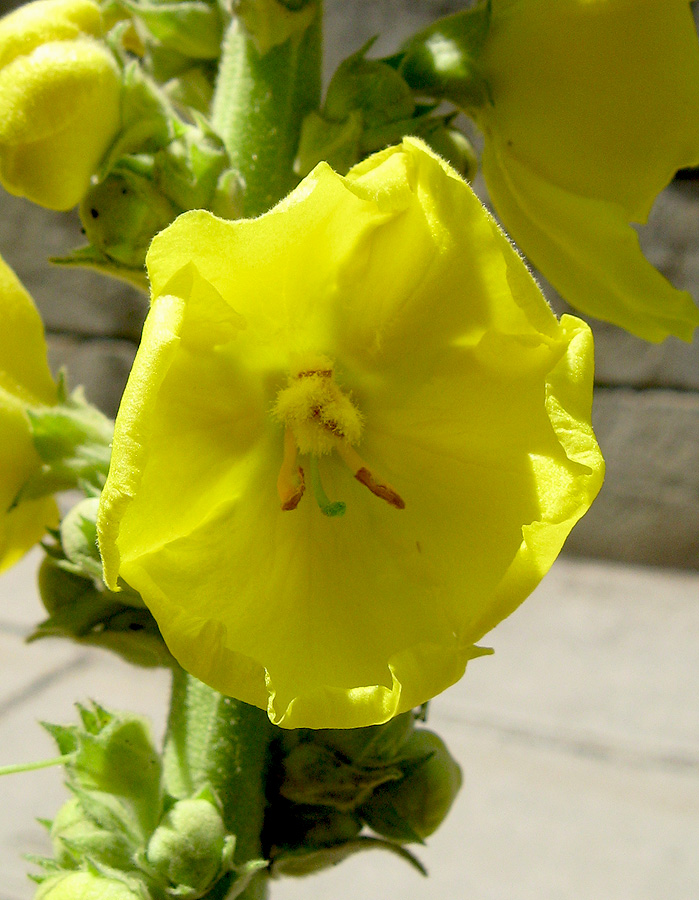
(327, 506)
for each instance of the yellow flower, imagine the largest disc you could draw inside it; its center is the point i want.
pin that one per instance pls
(25, 380)
(595, 106)
(59, 100)
(377, 338)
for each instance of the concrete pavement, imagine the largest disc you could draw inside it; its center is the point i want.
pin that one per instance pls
(579, 741)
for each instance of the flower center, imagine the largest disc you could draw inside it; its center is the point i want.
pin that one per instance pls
(320, 418)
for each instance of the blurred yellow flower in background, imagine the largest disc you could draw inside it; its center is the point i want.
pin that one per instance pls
(354, 438)
(60, 91)
(25, 380)
(595, 106)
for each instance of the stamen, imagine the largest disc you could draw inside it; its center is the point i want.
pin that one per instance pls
(327, 506)
(366, 477)
(290, 483)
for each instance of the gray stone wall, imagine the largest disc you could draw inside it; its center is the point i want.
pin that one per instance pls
(647, 403)
(646, 414)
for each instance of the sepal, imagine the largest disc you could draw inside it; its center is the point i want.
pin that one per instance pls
(306, 862)
(192, 28)
(92, 884)
(82, 609)
(91, 258)
(369, 106)
(317, 775)
(271, 23)
(115, 761)
(73, 441)
(412, 808)
(77, 835)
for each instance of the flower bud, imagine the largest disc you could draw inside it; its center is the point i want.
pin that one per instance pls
(371, 744)
(456, 148)
(121, 215)
(59, 100)
(85, 886)
(74, 837)
(25, 381)
(413, 808)
(188, 847)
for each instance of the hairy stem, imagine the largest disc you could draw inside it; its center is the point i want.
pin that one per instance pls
(259, 105)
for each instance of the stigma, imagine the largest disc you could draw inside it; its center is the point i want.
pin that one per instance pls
(320, 418)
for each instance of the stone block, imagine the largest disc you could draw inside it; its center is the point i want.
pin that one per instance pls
(100, 365)
(648, 508)
(77, 301)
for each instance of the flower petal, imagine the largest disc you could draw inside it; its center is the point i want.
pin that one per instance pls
(587, 249)
(444, 343)
(25, 380)
(59, 111)
(24, 368)
(600, 97)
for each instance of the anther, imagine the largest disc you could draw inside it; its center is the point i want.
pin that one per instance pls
(290, 483)
(366, 477)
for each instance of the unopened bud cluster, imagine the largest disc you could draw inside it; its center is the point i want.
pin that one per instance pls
(397, 779)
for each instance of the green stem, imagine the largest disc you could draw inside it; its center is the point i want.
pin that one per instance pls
(17, 768)
(215, 740)
(259, 105)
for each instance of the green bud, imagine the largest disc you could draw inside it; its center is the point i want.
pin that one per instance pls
(187, 170)
(371, 86)
(338, 143)
(73, 440)
(87, 886)
(79, 537)
(75, 837)
(443, 61)
(455, 147)
(122, 214)
(332, 827)
(74, 603)
(376, 743)
(271, 23)
(81, 608)
(188, 849)
(318, 776)
(193, 28)
(413, 808)
(114, 770)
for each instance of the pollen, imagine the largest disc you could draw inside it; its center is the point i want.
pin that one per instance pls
(316, 410)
